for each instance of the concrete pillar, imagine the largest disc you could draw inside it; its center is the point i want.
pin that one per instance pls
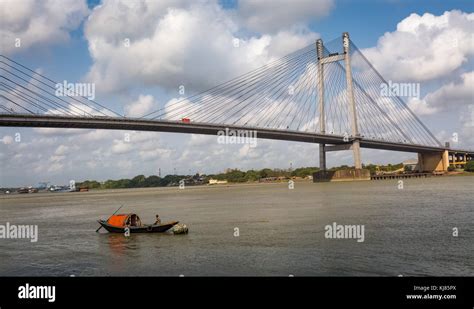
(421, 163)
(322, 120)
(322, 157)
(433, 162)
(356, 151)
(445, 160)
(352, 106)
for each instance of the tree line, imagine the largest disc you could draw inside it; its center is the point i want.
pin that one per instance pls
(232, 176)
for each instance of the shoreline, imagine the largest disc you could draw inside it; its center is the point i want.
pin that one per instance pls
(200, 187)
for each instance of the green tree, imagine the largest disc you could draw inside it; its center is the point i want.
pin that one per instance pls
(122, 183)
(304, 171)
(236, 176)
(138, 181)
(252, 175)
(91, 184)
(469, 166)
(266, 172)
(152, 181)
(109, 184)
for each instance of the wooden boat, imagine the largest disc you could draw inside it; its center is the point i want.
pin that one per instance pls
(22, 190)
(118, 223)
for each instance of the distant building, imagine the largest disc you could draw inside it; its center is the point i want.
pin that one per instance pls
(267, 179)
(194, 180)
(410, 165)
(217, 182)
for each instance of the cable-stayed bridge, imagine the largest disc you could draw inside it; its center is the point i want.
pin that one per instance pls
(328, 94)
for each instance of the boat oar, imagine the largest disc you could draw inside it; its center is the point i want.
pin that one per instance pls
(109, 218)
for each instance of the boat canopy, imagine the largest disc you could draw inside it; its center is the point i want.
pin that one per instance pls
(122, 220)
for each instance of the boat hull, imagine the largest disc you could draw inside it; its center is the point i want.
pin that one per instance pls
(152, 228)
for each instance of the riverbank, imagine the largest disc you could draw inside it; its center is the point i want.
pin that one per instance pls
(230, 184)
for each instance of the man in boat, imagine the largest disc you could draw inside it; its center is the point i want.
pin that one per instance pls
(158, 220)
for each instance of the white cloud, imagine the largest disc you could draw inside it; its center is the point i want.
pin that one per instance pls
(38, 23)
(198, 140)
(116, 20)
(424, 47)
(61, 150)
(287, 41)
(421, 107)
(56, 159)
(190, 45)
(55, 167)
(121, 147)
(125, 165)
(156, 153)
(7, 139)
(466, 134)
(451, 96)
(143, 105)
(92, 136)
(272, 16)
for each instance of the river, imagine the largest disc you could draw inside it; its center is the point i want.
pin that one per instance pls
(250, 230)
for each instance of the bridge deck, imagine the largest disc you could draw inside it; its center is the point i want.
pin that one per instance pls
(114, 123)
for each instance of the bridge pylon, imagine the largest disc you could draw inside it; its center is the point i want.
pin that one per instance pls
(352, 106)
(355, 136)
(322, 121)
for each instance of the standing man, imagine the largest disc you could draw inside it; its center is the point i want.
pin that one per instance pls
(158, 220)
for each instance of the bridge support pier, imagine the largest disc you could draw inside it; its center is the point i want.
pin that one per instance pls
(356, 151)
(322, 157)
(433, 162)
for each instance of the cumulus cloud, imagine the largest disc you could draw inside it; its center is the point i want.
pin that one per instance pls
(424, 47)
(272, 16)
(467, 129)
(143, 105)
(155, 153)
(453, 95)
(421, 107)
(38, 23)
(194, 45)
(121, 147)
(61, 150)
(201, 140)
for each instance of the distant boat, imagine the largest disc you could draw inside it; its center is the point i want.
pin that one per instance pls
(118, 223)
(58, 189)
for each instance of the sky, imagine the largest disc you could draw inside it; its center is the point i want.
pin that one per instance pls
(190, 43)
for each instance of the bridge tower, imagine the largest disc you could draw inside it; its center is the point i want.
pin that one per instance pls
(352, 106)
(355, 137)
(322, 121)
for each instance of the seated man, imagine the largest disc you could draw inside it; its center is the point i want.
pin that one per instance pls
(158, 220)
